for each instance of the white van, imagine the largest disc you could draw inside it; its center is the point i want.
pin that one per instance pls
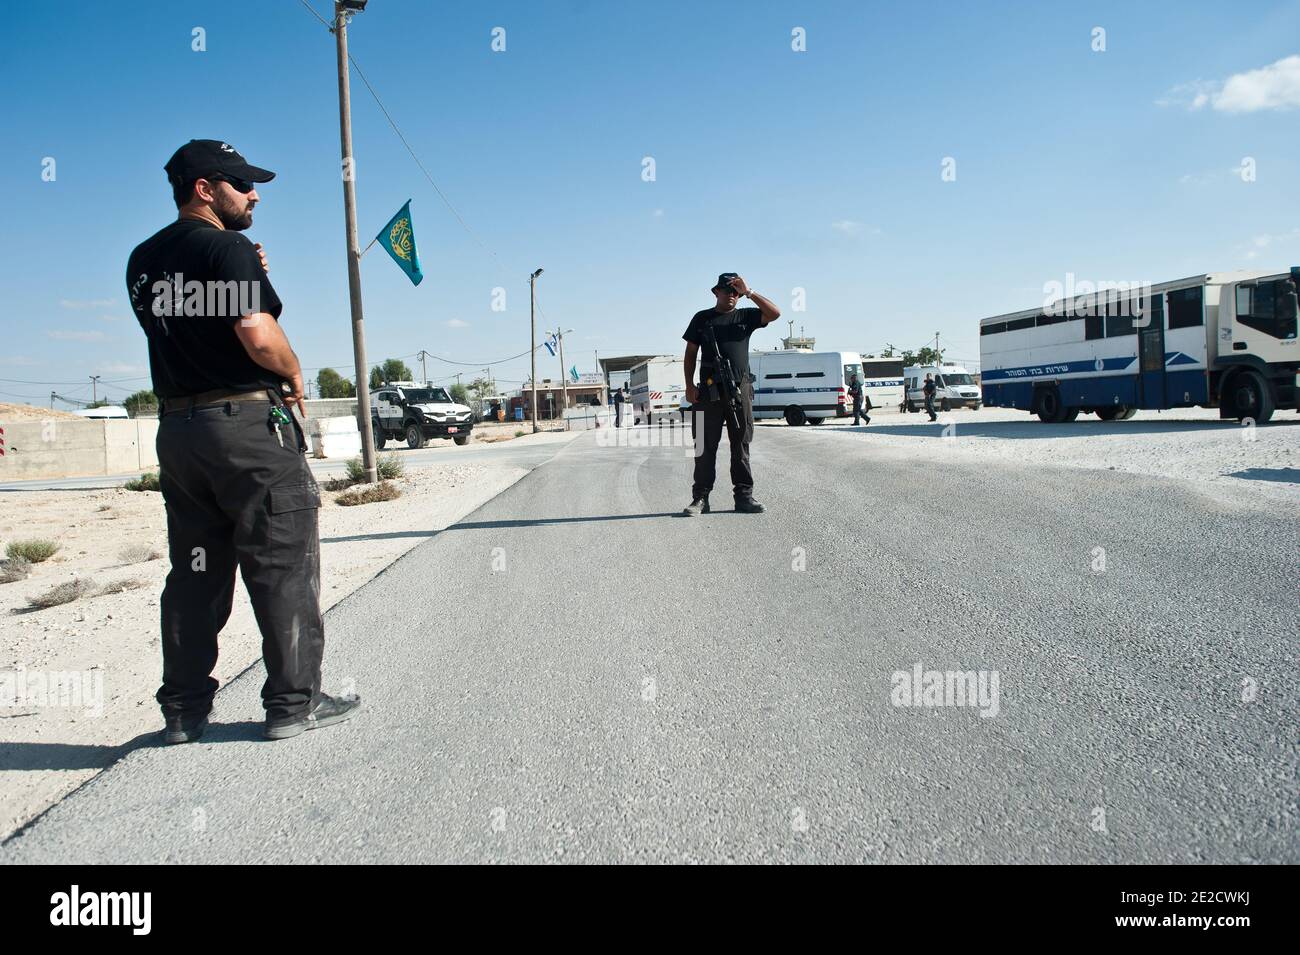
(803, 386)
(103, 411)
(954, 387)
(658, 390)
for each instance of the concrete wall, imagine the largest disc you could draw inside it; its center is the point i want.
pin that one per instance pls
(62, 448)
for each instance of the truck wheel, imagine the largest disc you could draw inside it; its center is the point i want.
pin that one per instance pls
(461, 439)
(1249, 396)
(414, 437)
(975, 406)
(1068, 415)
(944, 405)
(794, 417)
(1050, 408)
(816, 420)
(1109, 414)
(1127, 413)
(380, 438)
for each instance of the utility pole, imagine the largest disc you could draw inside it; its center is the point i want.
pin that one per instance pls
(937, 359)
(532, 315)
(424, 372)
(52, 397)
(343, 9)
(564, 377)
(94, 389)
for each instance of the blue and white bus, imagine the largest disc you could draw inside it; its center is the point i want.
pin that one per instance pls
(1224, 340)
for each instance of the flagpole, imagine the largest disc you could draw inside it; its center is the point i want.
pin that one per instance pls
(564, 377)
(343, 10)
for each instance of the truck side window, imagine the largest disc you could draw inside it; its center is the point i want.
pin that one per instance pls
(1185, 308)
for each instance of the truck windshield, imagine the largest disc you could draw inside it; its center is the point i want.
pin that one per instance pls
(427, 396)
(951, 380)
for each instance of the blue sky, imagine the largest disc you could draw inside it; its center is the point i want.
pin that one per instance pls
(818, 170)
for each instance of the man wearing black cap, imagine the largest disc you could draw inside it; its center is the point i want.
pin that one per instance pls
(730, 327)
(234, 479)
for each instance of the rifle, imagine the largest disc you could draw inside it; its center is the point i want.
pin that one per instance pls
(727, 387)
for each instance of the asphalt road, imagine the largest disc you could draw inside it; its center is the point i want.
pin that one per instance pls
(631, 685)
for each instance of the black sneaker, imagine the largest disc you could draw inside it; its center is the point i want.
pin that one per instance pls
(698, 506)
(185, 729)
(749, 506)
(327, 711)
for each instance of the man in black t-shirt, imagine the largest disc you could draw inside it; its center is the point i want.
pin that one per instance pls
(928, 390)
(236, 485)
(730, 328)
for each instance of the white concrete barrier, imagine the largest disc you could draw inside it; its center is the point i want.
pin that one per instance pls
(58, 447)
(334, 437)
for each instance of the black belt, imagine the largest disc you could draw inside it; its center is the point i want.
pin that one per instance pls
(207, 398)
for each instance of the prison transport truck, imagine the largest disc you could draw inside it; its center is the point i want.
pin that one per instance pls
(803, 387)
(1224, 340)
(658, 390)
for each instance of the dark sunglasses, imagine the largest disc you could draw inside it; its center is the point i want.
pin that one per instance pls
(239, 185)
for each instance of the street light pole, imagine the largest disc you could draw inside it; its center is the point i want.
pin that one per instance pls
(342, 10)
(532, 315)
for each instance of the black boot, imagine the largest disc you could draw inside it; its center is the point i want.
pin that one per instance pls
(327, 711)
(747, 505)
(185, 729)
(699, 505)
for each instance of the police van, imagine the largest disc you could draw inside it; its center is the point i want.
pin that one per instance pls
(804, 387)
(658, 390)
(954, 387)
(404, 411)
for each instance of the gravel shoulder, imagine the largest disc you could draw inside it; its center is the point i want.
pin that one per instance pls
(1220, 459)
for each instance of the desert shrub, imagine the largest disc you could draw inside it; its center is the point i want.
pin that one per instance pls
(32, 551)
(63, 593)
(138, 554)
(519, 434)
(383, 491)
(13, 570)
(145, 482)
(118, 586)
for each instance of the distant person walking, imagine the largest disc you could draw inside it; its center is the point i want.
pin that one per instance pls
(928, 390)
(238, 492)
(619, 397)
(856, 393)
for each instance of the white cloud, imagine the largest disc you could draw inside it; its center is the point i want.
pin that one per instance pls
(122, 368)
(1263, 241)
(87, 302)
(61, 335)
(850, 227)
(1273, 87)
(457, 323)
(20, 361)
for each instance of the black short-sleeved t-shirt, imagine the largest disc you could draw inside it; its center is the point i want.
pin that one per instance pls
(732, 329)
(189, 284)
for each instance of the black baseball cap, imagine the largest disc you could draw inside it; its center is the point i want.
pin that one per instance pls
(724, 280)
(200, 158)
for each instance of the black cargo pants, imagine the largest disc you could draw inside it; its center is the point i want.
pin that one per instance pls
(237, 497)
(707, 421)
